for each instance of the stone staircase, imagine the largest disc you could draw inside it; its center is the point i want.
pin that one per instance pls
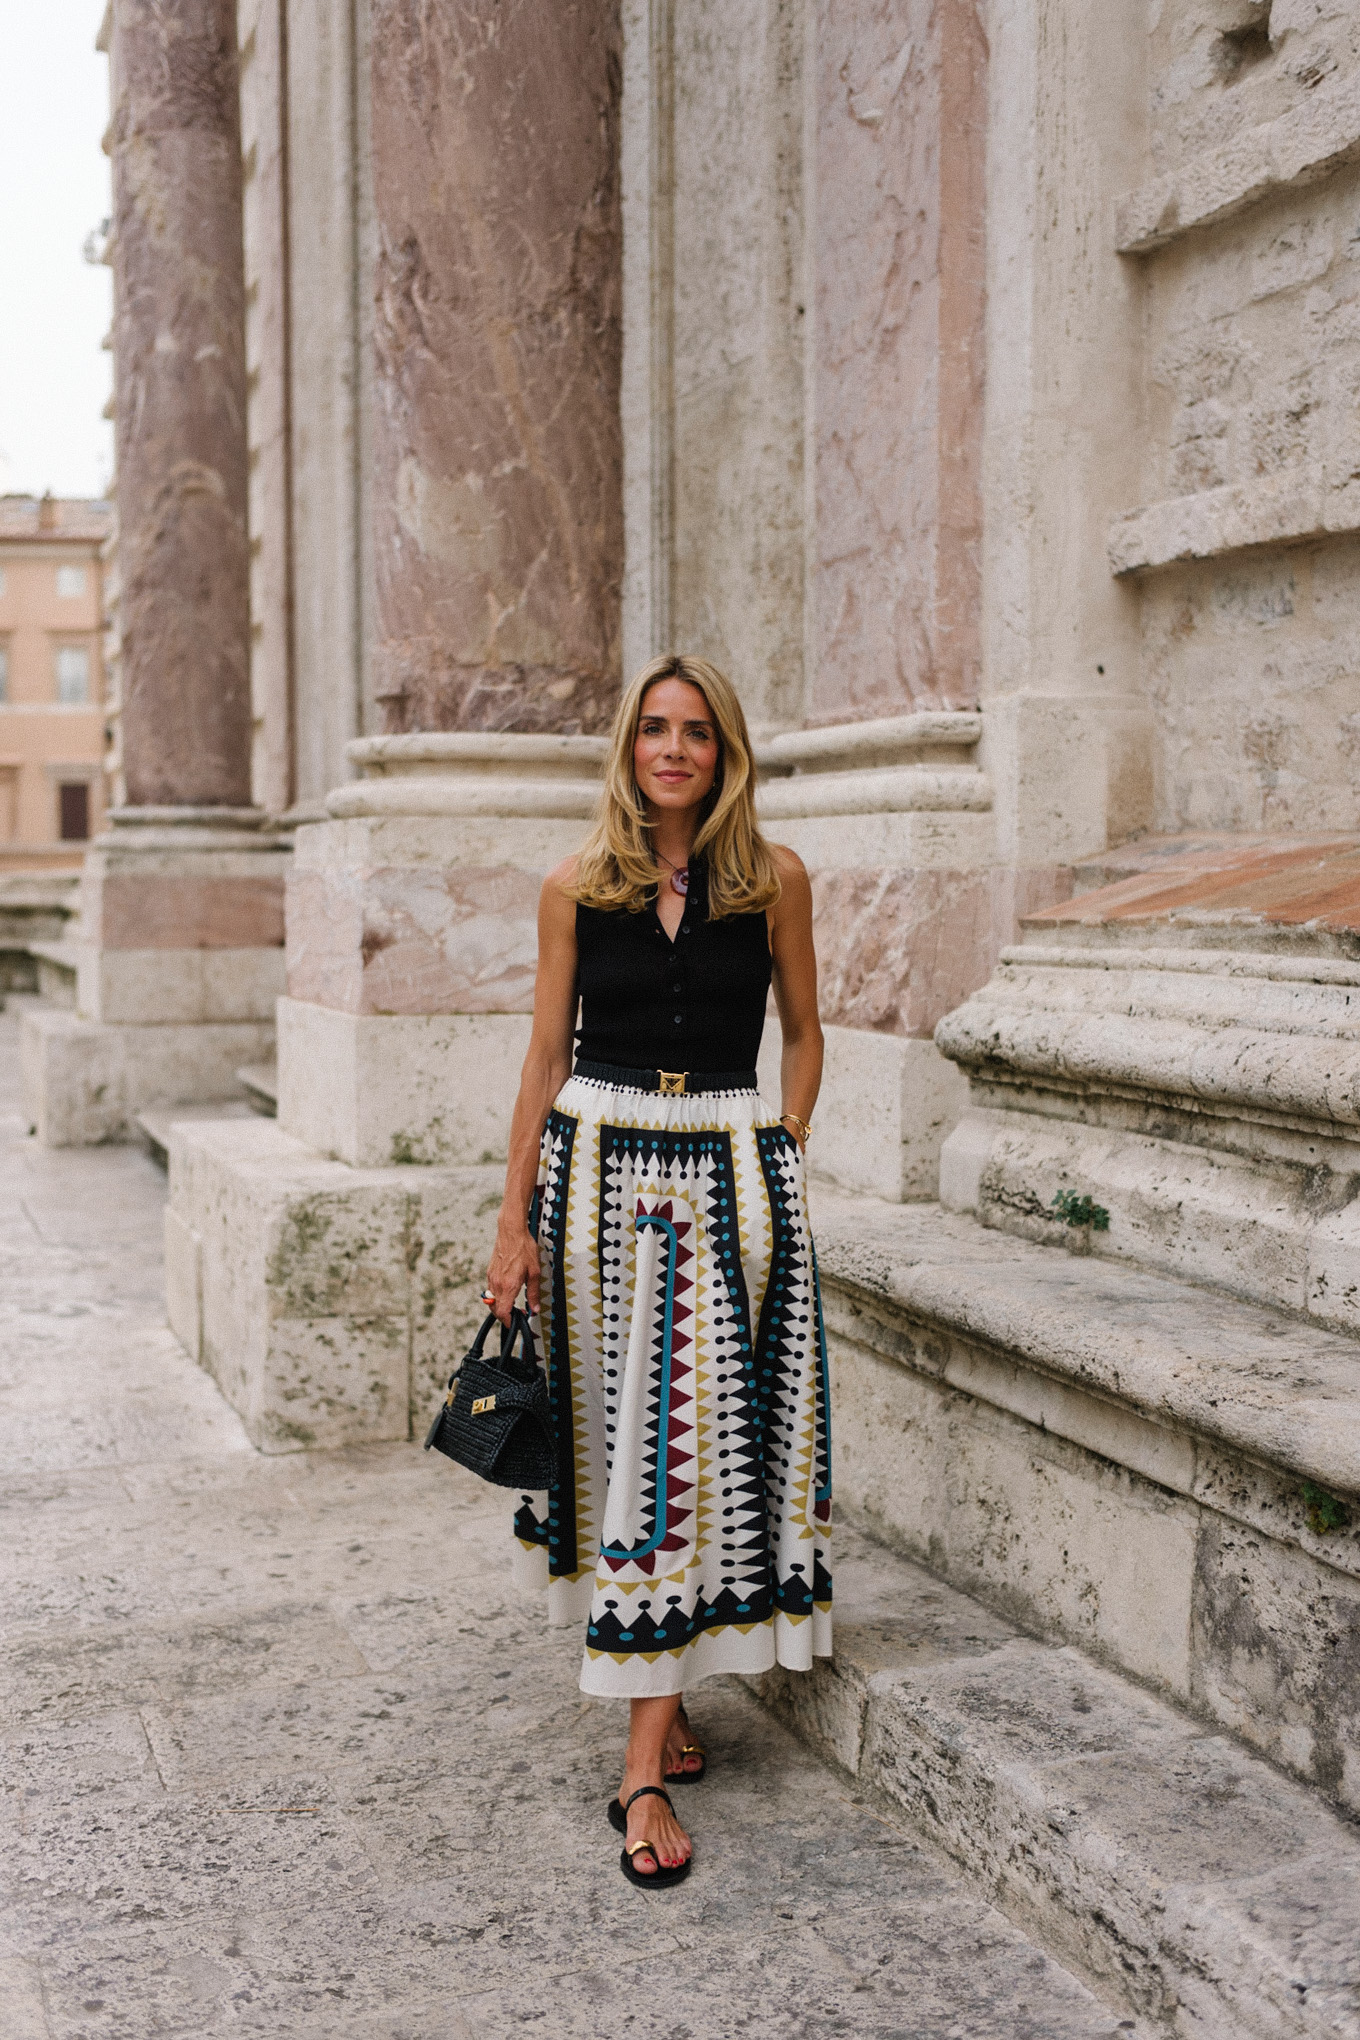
(1108, 1392)
(1190, 1884)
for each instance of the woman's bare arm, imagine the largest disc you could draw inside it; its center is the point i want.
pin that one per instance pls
(514, 1261)
(795, 987)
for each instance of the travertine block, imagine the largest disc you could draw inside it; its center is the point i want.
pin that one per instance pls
(885, 1107)
(85, 1082)
(1071, 773)
(136, 987)
(332, 1301)
(1253, 166)
(1277, 1653)
(374, 1090)
(1059, 1539)
(184, 1283)
(138, 899)
(1206, 1097)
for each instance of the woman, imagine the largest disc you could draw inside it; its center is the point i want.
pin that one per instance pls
(673, 1266)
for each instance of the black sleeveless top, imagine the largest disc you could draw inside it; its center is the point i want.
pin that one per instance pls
(697, 1003)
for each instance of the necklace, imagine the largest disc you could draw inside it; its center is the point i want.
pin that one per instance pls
(679, 874)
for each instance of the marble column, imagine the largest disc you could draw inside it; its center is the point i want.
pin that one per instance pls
(177, 963)
(180, 395)
(498, 520)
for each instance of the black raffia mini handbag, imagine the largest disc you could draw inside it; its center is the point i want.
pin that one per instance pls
(496, 1419)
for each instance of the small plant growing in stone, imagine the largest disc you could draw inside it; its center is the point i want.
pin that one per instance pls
(1325, 1512)
(1074, 1209)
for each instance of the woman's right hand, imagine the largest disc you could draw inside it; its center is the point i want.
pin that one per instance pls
(514, 1266)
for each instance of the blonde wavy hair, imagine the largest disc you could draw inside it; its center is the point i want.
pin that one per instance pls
(616, 867)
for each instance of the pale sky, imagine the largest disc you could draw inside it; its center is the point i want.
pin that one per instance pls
(54, 307)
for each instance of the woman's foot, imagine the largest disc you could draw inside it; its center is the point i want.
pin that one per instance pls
(652, 1820)
(684, 1758)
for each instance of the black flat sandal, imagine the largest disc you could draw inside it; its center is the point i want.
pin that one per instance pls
(660, 1878)
(689, 1777)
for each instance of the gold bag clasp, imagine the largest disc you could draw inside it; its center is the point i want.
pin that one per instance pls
(483, 1404)
(673, 1082)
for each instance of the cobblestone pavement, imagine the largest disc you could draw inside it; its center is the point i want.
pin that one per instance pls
(284, 1755)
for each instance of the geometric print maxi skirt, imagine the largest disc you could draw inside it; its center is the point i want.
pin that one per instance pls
(689, 1526)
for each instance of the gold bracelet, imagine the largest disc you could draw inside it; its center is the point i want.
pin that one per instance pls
(803, 1128)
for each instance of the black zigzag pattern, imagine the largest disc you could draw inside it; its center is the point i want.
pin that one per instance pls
(561, 1537)
(788, 1334)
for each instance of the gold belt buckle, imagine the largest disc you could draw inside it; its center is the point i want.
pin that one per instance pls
(673, 1083)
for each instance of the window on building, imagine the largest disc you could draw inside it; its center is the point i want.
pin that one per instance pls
(4, 672)
(73, 674)
(75, 811)
(70, 580)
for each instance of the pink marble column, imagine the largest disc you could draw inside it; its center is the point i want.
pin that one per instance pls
(179, 379)
(498, 519)
(897, 227)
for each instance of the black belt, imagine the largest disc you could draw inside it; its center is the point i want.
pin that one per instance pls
(673, 1083)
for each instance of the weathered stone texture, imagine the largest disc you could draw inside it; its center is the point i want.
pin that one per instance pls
(1203, 1890)
(1253, 673)
(179, 356)
(898, 949)
(1251, 655)
(1277, 1639)
(379, 1090)
(497, 463)
(182, 911)
(392, 941)
(1220, 70)
(897, 368)
(1109, 1457)
(732, 414)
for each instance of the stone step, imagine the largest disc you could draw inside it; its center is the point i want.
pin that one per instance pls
(260, 1082)
(1188, 1881)
(155, 1123)
(1165, 1476)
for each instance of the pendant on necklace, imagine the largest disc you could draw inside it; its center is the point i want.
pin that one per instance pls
(680, 880)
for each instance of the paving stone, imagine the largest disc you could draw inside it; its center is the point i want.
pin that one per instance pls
(22, 2016)
(107, 1755)
(56, 1673)
(284, 1755)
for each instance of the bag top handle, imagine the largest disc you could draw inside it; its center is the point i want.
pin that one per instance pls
(519, 1332)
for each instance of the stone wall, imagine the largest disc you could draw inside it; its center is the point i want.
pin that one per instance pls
(1241, 235)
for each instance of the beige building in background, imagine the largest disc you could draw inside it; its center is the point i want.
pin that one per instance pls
(51, 680)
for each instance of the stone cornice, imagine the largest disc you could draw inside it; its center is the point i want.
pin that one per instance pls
(1296, 148)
